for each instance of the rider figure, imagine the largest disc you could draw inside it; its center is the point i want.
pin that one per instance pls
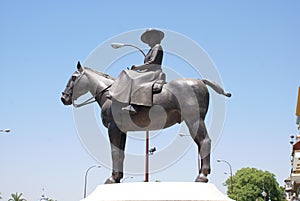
(134, 87)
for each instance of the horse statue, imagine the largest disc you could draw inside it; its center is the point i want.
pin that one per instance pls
(179, 100)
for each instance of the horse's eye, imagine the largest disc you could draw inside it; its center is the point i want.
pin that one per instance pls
(74, 77)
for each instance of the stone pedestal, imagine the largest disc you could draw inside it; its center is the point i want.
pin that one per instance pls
(192, 191)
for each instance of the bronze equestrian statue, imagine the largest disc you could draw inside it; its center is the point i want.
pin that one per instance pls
(179, 100)
(139, 100)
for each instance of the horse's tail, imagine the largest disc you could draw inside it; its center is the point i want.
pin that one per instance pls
(216, 87)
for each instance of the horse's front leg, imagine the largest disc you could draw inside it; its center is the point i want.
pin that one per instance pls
(117, 143)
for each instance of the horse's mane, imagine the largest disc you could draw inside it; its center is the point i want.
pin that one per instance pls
(101, 74)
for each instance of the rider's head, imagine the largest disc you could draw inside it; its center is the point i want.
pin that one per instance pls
(152, 37)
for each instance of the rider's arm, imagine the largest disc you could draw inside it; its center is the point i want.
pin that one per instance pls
(153, 54)
(150, 58)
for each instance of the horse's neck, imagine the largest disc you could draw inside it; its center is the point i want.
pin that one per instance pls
(98, 84)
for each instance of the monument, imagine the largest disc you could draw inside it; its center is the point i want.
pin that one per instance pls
(129, 103)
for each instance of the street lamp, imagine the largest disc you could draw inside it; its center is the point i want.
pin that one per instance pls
(230, 169)
(7, 130)
(147, 157)
(119, 45)
(85, 178)
(148, 152)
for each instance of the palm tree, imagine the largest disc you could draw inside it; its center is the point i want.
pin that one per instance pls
(17, 197)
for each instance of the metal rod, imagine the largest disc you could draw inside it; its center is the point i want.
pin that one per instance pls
(141, 51)
(85, 179)
(147, 157)
(230, 169)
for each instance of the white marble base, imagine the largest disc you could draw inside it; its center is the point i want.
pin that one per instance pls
(191, 191)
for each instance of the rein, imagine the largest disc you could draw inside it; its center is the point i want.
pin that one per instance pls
(90, 100)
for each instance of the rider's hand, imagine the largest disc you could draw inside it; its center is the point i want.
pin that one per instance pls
(134, 67)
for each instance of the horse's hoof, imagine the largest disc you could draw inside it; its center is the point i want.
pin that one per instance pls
(110, 180)
(201, 178)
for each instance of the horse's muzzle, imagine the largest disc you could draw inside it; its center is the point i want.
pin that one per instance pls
(66, 100)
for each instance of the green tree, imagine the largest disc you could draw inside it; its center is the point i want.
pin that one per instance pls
(0, 196)
(17, 197)
(248, 184)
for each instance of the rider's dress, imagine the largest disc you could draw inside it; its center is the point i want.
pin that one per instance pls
(135, 86)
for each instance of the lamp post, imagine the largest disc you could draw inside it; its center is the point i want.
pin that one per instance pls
(148, 152)
(7, 130)
(119, 45)
(147, 157)
(230, 169)
(85, 178)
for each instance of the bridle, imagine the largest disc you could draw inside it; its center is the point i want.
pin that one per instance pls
(91, 99)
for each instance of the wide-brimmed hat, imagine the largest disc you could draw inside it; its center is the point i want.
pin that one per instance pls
(152, 33)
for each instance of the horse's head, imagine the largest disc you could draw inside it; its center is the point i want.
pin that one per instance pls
(78, 81)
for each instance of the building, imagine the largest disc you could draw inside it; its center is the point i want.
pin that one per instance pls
(292, 184)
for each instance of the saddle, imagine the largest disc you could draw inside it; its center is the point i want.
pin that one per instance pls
(137, 88)
(144, 94)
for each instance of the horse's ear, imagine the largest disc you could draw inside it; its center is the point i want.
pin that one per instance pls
(79, 67)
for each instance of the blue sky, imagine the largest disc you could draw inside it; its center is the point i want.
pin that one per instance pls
(254, 44)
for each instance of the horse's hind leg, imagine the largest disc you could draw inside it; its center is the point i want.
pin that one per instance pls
(117, 143)
(199, 133)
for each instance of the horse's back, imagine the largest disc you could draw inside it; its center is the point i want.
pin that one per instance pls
(183, 88)
(189, 96)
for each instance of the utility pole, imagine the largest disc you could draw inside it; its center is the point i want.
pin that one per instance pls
(147, 157)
